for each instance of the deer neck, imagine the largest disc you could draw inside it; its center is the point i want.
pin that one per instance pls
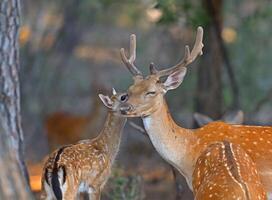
(111, 133)
(171, 141)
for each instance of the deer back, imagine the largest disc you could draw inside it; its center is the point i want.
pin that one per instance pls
(225, 171)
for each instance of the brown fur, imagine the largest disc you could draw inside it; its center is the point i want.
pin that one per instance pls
(225, 171)
(87, 163)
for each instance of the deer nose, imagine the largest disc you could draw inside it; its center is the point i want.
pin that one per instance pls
(126, 108)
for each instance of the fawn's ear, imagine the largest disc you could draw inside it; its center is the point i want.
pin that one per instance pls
(175, 79)
(106, 100)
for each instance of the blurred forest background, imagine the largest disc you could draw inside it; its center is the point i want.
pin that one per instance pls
(69, 51)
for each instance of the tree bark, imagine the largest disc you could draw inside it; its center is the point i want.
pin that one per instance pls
(216, 21)
(209, 81)
(13, 174)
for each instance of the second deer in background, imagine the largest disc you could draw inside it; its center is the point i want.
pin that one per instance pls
(233, 117)
(64, 128)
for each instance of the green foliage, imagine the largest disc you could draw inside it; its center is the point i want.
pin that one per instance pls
(173, 10)
(251, 52)
(198, 16)
(169, 11)
(124, 187)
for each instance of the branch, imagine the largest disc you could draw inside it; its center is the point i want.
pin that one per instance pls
(137, 127)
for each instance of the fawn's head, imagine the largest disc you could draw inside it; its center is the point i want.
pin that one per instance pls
(146, 94)
(114, 102)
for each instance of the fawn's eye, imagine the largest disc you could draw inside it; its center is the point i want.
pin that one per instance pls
(150, 93)
(124, 97)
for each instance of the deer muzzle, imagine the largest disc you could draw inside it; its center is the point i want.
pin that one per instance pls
(126, 108)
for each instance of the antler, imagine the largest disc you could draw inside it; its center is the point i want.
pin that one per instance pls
(130, 62)
(189, 57)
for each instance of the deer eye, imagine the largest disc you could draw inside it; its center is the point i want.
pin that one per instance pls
(124, 97)
(151, 93)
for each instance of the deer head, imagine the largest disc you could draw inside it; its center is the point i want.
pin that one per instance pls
(146, 94)
(113, 103)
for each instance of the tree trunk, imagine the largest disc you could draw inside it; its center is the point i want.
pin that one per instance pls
(209, 83)
(13, 174)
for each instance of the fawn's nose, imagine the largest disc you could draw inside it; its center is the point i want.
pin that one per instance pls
(126, 108)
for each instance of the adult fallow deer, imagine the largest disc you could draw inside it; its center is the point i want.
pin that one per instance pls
(179, 146)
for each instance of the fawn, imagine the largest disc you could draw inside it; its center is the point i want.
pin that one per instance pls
(180, 146)
(86, 165)
(225, 171)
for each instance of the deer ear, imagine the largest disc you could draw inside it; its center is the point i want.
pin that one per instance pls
(201, 119)
(106, 100)
(234, 117)
(175, 79)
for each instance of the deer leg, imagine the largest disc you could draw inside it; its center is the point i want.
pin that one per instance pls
(69, 195)
(97, 195)
(94, 194)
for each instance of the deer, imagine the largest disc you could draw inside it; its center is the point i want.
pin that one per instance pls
(63, 128)
(225, 171)
(233, 117)
(180, 146)
(86, 165)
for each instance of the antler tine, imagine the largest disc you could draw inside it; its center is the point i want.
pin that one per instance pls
(189, 57)
(132, 48)
(197, 49)
(129, 62)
